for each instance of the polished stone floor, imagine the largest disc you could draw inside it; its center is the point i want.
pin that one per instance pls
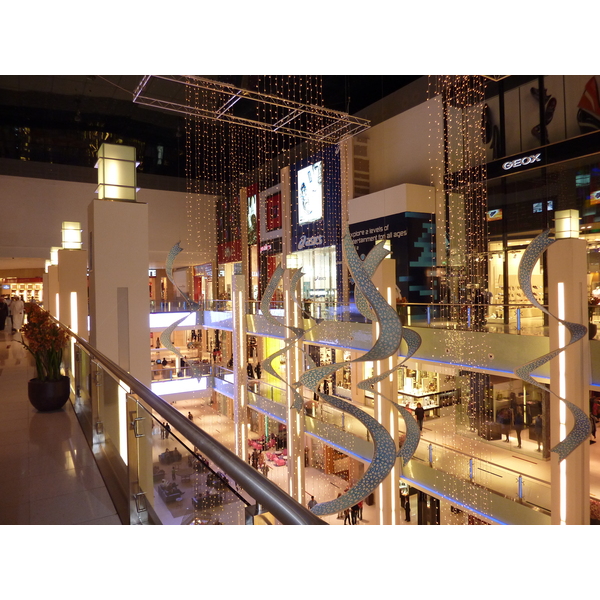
(48, 472)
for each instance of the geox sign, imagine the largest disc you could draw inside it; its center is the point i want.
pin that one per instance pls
(521, 162)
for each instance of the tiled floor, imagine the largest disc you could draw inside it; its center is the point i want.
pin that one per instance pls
(47, 469)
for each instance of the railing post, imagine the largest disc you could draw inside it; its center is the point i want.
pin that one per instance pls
(471, 473)
(428, 315)
(518, 319)
(520, 487)
(431, 455)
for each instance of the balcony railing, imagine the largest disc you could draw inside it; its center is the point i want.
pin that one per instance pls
(521, 319)
(160, 467)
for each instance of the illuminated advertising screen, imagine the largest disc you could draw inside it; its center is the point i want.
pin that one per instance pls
(252, 228)
(595, 197)
(310, 193)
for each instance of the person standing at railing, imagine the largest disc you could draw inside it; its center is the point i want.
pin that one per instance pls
(258, 370)
(402, 306)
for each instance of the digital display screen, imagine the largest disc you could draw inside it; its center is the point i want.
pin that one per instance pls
(494, 215)
(310, 193)
(252, 223)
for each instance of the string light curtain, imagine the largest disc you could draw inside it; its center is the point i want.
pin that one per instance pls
(457, 155)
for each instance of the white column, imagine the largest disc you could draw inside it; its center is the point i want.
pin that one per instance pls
(119, 298)
(73, 290)
(240, 359)
(570, 379)
(294, 418)
(387, 495)
(51, 292)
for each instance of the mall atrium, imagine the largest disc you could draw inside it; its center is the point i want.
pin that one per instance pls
(292, 301)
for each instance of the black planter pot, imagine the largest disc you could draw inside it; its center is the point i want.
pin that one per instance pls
(49, 395)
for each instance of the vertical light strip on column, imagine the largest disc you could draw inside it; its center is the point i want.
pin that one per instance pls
(74, 316)
(57, 306)
(122, 402)
(391, 358)
(562, 414)
(240, 444)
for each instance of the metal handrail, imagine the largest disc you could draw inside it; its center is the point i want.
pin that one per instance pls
(283, 507)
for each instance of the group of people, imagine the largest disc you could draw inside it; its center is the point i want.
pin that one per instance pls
(12, 311)
(257, 460)
(252, 371)
(165, 430)
(354, 514)
(515, 419)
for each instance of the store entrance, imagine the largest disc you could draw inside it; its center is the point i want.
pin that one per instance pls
(428, 509)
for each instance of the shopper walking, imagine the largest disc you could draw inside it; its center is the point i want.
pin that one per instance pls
(420, 415)
(3, 313)
(505, 418)
(519, 423)
(347, 516)
(17, 309)
(312, 502)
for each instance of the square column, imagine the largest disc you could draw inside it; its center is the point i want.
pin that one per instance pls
(570, 379)
(294, 418)
(119, 298)
(73, 290)
(240, 376)
(51, 291)
(388, 499)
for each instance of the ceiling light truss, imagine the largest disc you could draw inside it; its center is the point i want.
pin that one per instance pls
(318, 123)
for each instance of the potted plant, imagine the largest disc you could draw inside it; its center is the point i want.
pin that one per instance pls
(46, 341)
(594, 512)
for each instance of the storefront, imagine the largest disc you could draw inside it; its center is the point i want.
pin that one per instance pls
(431, 389)
(203, 278)
(534, 172)
(29, 288)
(271, 234)
(270, 258)
(316, 228)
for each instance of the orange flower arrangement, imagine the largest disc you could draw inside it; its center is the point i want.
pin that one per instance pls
(45, 341)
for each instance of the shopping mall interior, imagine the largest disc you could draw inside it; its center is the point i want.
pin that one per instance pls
(304, 299)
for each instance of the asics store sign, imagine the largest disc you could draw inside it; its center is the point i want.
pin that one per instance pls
(521, 162)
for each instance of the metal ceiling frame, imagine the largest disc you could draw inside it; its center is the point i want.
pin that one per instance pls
(339, 125)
